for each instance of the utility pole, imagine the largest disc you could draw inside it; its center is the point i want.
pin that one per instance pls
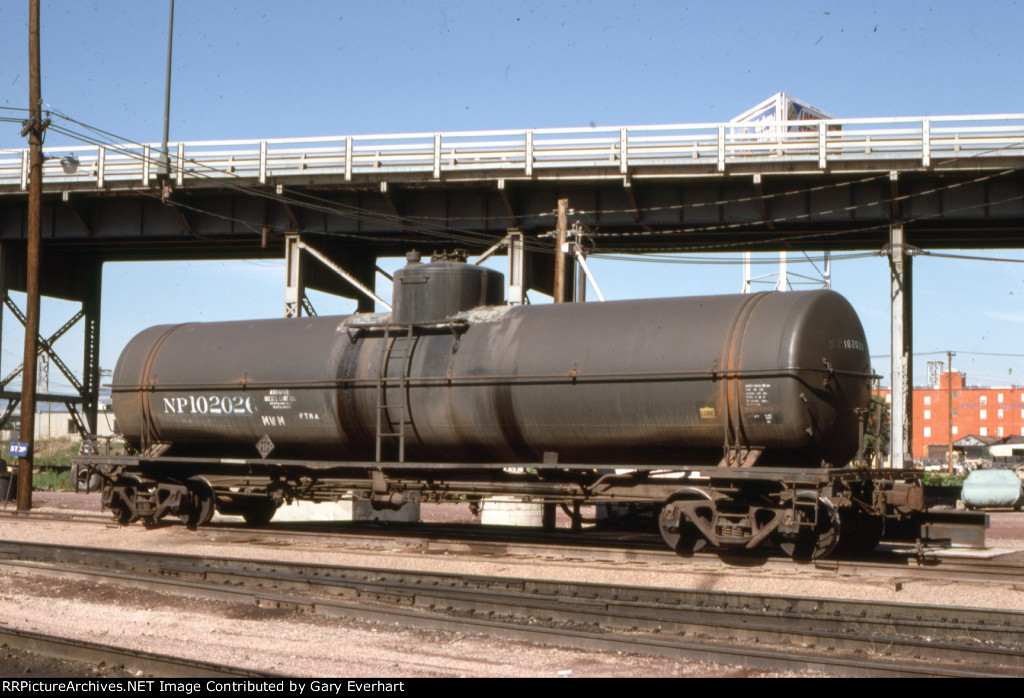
(563, 229)
(33, 128)
(949, 394)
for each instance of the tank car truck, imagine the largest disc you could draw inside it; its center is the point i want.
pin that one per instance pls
(736, 415)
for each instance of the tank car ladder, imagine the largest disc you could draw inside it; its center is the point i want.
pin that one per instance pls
(386, 426)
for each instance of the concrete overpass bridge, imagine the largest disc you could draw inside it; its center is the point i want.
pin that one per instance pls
(839, 184)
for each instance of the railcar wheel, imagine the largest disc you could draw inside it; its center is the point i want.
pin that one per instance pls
(680, 533)
(199, 506)
(812, 543)
(259, 512)
(121, 504)
(859, 532)
(122, 513)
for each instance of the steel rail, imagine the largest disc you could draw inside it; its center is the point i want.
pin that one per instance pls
(925, 142)
(135, 661)
(662, 621)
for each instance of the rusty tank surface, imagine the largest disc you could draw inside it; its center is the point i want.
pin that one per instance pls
(773, 378)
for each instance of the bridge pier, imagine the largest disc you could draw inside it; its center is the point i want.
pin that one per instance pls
(902, 355)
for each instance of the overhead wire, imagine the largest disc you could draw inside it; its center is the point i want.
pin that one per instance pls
(644, 257)
(842, 209)
(804, 191)
(955, 351)
(334, 208)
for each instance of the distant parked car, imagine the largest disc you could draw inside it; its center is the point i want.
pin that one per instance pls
(992, 488)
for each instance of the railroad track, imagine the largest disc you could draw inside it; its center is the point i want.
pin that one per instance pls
(900, 563)
(776, 632)
(136, 662)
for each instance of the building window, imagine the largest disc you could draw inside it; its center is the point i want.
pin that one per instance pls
(927, 399)
(888, 397)
(927, 432)
(954, 413)
(927, 414)
(984, 399)
(1000, 431)
(72, 429)
(983, 431)
(999, 414)
(955, 393)
(984, 413)
(999, 398)
(955, 429)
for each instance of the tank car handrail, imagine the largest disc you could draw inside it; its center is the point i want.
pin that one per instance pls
(715, 375)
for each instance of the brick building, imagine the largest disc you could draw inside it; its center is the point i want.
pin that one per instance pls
(993, 413)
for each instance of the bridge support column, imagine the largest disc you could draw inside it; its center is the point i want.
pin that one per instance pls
(91, 288)
(330, 269)
(80, 280)
(902, 353)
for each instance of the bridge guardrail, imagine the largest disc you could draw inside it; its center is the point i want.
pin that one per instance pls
(714, 147)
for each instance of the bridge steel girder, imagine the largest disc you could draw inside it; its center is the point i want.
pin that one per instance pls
(839, 211)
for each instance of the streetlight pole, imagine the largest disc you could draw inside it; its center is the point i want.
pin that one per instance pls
(164, 168)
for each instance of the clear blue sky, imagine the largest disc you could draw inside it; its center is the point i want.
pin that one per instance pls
(265, 68)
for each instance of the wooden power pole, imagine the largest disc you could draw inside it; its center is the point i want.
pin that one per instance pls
(562, 230)
(34, 130)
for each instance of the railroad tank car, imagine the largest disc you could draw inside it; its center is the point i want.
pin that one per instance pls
(735, 414)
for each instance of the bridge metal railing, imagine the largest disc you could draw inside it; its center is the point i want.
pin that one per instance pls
(947, 141)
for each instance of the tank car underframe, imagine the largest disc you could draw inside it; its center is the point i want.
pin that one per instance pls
(806, 512)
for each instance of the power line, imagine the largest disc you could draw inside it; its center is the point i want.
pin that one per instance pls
(356, 213)
(956, 351)
(332, 207)
(975, 258)
(652, 258)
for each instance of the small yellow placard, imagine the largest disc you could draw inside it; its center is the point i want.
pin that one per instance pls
(707, 412)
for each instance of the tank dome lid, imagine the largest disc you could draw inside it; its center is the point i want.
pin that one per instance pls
(447, 285)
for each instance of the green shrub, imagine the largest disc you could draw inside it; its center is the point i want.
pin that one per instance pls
(943, 479)
(51, 480)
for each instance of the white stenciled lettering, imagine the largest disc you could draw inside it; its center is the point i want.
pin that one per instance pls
(233, 405)
(271, 420)
(279, 399)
